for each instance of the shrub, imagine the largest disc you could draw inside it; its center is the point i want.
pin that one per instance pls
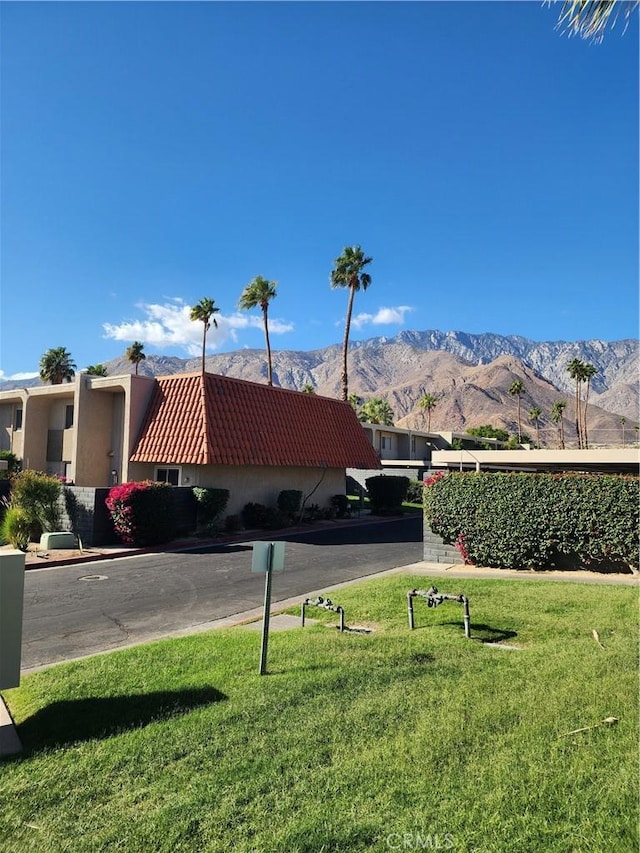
(232, 523)
(386, 494)
(289, 502)
(537, 520)
(142, 512)
(38, 495)
(342, 505)
(13, 464)
(211, 504)
(275, 519)
(415, 491)
(254, 515)
(16, 528)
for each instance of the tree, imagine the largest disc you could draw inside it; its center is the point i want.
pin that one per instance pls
(376, 411)
(588, 372)
(96, 370)
(427, 403)
(307, 388)
(623, 421)
(489, 431)
(57, 366)
(589, 19)
(534, 415)
(203, 312)
(516, 390)
(575, 371)
(135, 354)
(348, 272)
(355, 402)
(260, 292)
(557, 411)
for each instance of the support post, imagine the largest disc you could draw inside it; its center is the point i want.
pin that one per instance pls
(410, 610)
(467, 618)
(267, 608)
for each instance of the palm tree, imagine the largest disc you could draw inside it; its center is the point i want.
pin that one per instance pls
(588, 372)
(348, 272)
(135, 354)
(57, 366)
(575, 371)
(590, 18)
(96, 370)
(623, 421)
(557, 411)
(376, 411)
(427, 403)
(307, 388)
(203, 312)
(534, 415)
(516, 390)
(260, 292)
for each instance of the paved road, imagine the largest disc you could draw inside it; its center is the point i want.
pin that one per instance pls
(77, 610)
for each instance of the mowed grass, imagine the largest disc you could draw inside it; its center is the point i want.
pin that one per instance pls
(353, 742)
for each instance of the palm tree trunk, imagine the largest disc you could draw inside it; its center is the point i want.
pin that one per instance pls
(519, 423)
(584, 416)
(266, 337)
(345, 346)
(578, 432)
(428, 420)
(204, 344)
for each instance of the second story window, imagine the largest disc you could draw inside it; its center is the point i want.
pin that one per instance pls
(68, 417)
(18, 419)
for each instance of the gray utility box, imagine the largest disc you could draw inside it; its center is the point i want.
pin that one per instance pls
(11, 604)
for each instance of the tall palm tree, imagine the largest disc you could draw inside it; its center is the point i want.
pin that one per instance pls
(135, 354)
(348, 272)
(427, 403)
(57, 366)
(590, 18)
(516, 390)
(623, 421)
(557, 412)
(203, 312)
(260, 292)
(534, 415)
(96, 370)
(575, 371)
(588, 372)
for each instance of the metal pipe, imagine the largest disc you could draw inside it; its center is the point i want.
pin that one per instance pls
(467, 617)
(410, 595)
(341, 614)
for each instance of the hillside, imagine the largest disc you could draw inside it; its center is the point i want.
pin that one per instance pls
(470, 373)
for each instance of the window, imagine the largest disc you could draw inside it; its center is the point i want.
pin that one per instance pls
(68, 417)
(54, 445)
(386, 442)
(18, 419)
(168, 475)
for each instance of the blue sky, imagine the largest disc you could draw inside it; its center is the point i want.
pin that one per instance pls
(157, 153)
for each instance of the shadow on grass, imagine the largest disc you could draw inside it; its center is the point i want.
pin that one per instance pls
(97, 717)
(479, 631)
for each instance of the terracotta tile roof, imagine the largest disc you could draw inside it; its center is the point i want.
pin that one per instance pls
(216, 420)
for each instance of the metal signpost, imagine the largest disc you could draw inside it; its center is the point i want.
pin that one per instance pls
(268, 557)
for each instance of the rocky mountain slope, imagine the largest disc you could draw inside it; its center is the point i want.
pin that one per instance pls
(471, 374)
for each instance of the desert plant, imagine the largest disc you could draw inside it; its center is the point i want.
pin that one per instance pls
(38, 495)
(13, 464)
(16, 527)
(253, 515)
(415, 491)
(341, 505)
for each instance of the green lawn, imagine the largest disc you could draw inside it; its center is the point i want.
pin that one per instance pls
(394, 740)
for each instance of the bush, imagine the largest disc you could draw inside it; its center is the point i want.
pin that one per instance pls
(415, 491)
(211, 503)
(289, 502)
(16, 528)
(342, 505)
(386, 494)
(38, 495)
(232, 523)
(537, 520)
(142, 512)
(13, 464)
(254, 515)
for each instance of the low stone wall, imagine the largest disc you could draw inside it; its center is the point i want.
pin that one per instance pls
(435, 550)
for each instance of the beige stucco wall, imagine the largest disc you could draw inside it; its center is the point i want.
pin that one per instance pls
(259, 484)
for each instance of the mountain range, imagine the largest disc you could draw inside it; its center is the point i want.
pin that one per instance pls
(470, 374)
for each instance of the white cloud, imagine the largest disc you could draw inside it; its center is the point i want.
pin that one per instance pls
(169, 325)
(383, 317)
(17, 377)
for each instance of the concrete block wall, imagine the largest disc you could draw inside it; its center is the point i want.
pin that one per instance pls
(85, 513)
(435, 550)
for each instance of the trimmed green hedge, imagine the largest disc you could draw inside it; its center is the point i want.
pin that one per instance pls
(386, 494)
(537, 520)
